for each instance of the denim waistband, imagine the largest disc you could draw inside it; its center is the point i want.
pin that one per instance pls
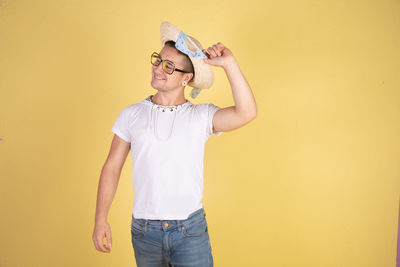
(159, 224)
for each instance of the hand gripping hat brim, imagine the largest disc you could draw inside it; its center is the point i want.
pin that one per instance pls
(204, 76)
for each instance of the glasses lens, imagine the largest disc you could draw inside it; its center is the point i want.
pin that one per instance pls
(169, 66)
(155, 59)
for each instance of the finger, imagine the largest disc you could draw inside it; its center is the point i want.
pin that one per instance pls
(105, 248)
(108, 237)
(206, 60)
(96, 241)
(100, 245)
(209, 60)
(220, 46)
(211, 52)
(216, 49)
(205, 52)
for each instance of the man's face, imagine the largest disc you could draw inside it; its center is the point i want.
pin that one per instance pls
(167, 82)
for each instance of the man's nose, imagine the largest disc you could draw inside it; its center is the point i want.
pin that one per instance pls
(159, 68)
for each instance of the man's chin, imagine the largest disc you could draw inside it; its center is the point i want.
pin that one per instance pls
(158, 88)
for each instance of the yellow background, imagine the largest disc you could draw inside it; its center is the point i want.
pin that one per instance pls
(312, 181)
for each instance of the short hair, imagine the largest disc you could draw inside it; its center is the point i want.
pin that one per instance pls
(187, 63)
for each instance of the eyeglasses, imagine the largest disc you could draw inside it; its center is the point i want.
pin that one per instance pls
(167, 65)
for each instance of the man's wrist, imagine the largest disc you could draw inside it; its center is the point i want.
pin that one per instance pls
(100, 218)
(230, 63)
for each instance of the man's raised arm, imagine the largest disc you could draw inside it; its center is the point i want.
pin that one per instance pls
(245, 108)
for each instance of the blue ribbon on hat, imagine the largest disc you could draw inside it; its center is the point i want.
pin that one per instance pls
(195, 92)
(181, 46)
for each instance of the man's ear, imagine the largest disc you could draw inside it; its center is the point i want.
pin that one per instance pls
(188, 77)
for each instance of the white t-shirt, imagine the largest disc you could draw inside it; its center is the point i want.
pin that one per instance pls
(167, 150)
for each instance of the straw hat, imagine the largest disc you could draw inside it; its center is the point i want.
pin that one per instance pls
(204, 76)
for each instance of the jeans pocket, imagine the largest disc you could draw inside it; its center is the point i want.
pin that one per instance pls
(197, 228)
(137, 230)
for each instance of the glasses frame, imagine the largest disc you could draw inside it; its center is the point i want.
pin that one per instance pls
(163, 63)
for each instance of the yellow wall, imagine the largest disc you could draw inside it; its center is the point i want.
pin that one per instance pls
(313, 181)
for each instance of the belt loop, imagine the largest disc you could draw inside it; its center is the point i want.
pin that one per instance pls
(145, 225)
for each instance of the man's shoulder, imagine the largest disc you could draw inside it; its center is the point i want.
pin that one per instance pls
(133, 108)
(205, 106)
(138, 104)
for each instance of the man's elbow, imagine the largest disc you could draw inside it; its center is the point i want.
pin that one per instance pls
(253, 115)
(249, 117)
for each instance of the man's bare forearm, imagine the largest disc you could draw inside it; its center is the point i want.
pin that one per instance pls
(245, 103)
(108, 184)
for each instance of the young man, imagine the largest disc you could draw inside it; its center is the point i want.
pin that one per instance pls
(166, 134)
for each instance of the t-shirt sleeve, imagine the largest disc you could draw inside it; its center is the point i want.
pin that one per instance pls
(121, 124)
(211, 111)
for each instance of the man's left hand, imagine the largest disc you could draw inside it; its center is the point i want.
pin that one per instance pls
(218, 55)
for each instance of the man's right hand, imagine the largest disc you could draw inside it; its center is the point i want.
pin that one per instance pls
(101, 230)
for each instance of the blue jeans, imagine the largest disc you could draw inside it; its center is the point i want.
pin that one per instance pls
(178, 243)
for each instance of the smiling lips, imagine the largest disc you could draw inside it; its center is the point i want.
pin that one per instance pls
(158, 78)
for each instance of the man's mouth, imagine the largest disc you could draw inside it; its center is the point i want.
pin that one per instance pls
(158, 77)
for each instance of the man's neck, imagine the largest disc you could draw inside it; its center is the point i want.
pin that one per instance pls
(168, 100)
